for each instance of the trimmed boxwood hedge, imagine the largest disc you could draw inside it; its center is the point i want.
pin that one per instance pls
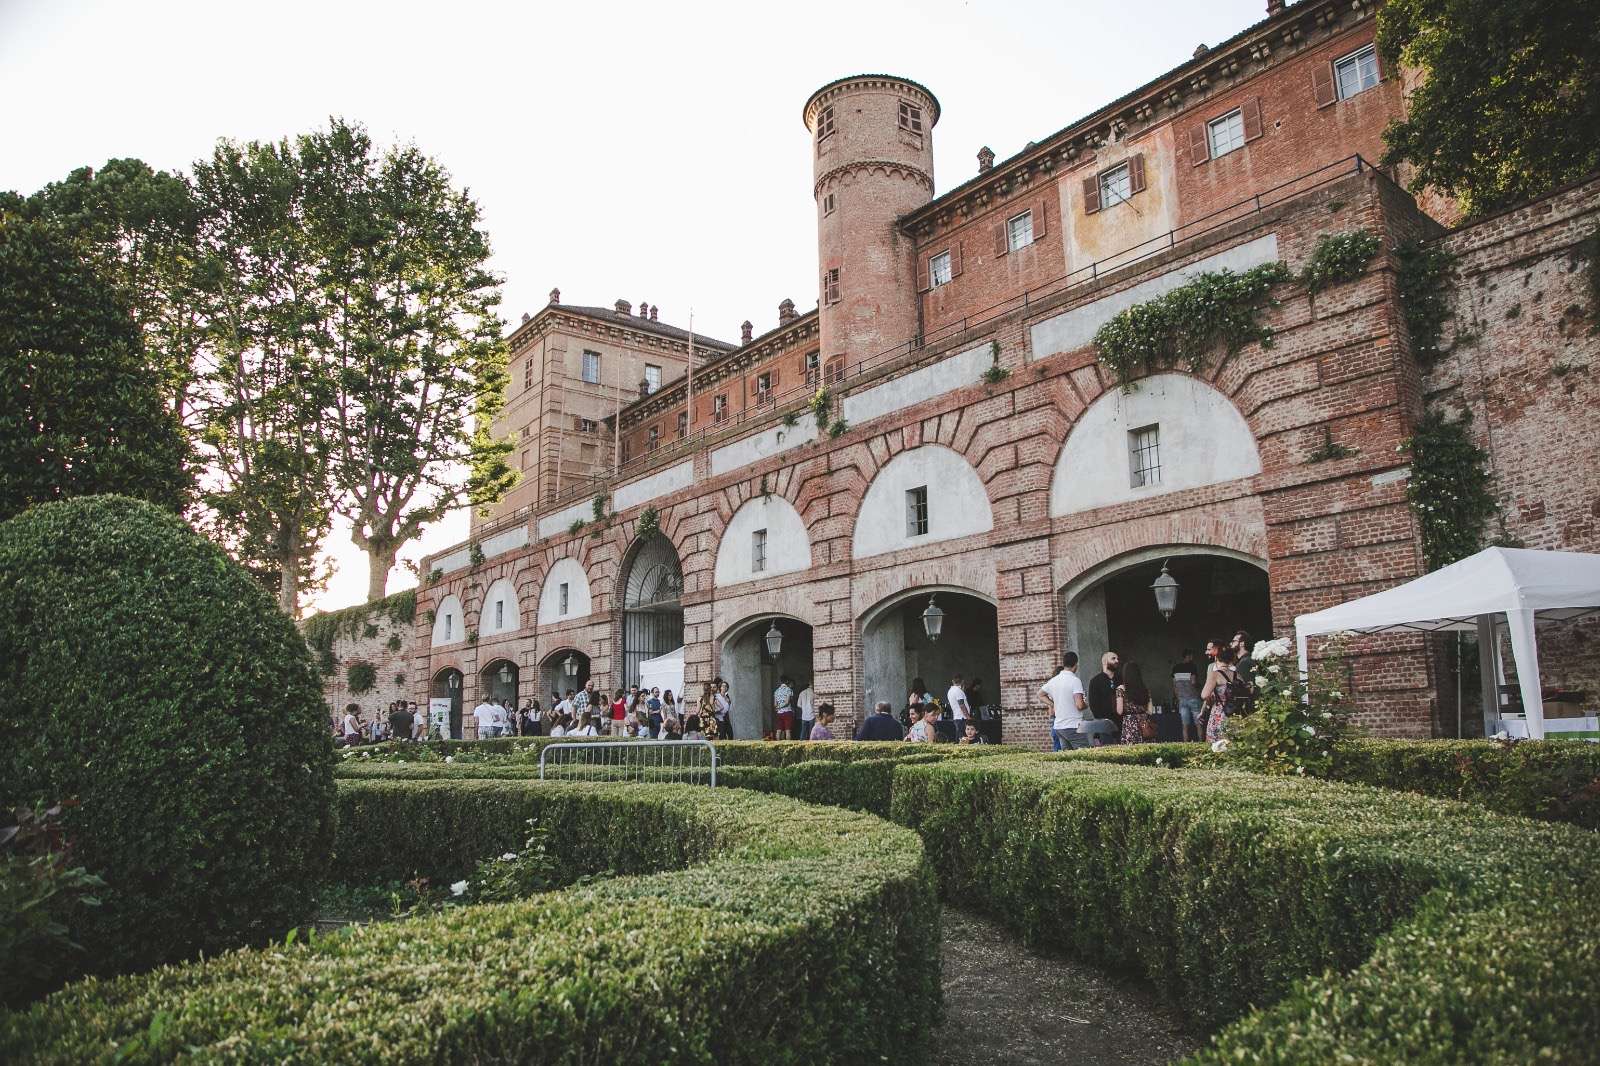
(748, 945)
(1554, 781)
(729, 752)
(153, 679)
(1375, 926)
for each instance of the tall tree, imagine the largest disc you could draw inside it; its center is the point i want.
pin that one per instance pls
(266, 389)
(1508, 106)
(81, 411)
(139, 225)
(418, 357)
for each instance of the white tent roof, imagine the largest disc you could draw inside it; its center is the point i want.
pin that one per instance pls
(664, 671)
(1496, 580)
(1517, 585)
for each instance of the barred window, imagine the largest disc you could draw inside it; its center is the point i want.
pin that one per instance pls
(917, 511)
(758, 550)
(1144, 456)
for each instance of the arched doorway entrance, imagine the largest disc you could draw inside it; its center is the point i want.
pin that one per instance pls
(447, 685)
(652, 608)
(498, 681)
(562, 669)
(753, 669)
(896, 647)
(1112, 608)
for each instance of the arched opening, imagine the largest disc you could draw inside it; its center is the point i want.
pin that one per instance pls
(652, 608)
(896, 649)
(498, 681)
(753, 671)
(1112, 608)
(561, 670)
(444, 702)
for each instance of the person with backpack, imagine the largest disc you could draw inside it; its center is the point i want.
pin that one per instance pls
(1222, 682)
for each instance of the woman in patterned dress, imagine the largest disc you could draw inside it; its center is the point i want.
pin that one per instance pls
(1217, 696)
(1133, 703)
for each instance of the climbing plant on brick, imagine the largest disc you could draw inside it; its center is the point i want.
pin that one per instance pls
(1339, 257)
(1449, 487)
(1184, 325)
(1423, 274)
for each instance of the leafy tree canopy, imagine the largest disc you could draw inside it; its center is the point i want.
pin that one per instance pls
(1509, 101)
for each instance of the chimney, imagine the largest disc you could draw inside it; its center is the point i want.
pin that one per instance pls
(746, 331)
(786, 313)
(985, 159)
(1274, 7)
(555, 296)
(526, 316)
(644, 388)
(644, 308)
(1200, 50)
(623, 307)
(653, 310)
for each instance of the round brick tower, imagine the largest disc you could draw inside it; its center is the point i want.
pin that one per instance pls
(872, 146)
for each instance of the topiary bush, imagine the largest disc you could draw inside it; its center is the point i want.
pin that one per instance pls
(725, 942)
(151, 678)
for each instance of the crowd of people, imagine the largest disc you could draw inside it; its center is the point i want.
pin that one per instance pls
(1115, 706)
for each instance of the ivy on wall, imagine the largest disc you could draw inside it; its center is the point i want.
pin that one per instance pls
(361, 676)
(1424, 274)
(822, 408)
(1339, 257)
(1449, 487)
(649, 524)
(1184, 325)
(322, 630)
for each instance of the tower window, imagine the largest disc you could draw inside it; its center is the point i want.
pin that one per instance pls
(719, 408)
(939, 269)
(1226, 133)
(1115, 186)
(683, 423)
(1019, 231)
(1356, 72)
(652, 377)
(830, 286)
(827, 204)
(591, 367)
(813, 367)
(910, 117)
(825, 123)
(758, 550)
(655, 437)
(1144, 456)
(917, 511)
(527, 373)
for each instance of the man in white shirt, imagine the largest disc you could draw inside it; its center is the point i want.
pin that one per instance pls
(808, 711)
(484, 714)
(1063, 694)
(352, 724)
(956, 700)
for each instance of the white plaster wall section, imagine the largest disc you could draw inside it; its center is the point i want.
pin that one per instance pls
(562, 520)
(449, 622)
(958, 506)
(456, 560)
(768, 442)
(659, 484)
(1076, 328)
(788, 546)
(567, 572)
(504, 541)
(500, 613)
(1202, 439)
(965, 368)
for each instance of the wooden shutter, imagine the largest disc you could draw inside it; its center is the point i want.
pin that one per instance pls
(955, 260)
(1040, 213)
(1322, 84)
(773, 379)
(1136, 173)
(1250, 111)
(1001, 244)
(1091, 194)
(924, 274)
(1199, 144)
(830, 286)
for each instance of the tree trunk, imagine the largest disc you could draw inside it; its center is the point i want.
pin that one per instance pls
(380, 560)
(289, 587)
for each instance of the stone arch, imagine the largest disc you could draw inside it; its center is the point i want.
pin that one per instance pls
(1156, 534)
(1200, 439)
(648, 594)
(895, 647)
(449, 621)
(958, 502)
(752, 672)
(579, 603)
(499, 612)
(786, 544)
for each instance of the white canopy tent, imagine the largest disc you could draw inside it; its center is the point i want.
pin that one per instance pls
(663, 672)
(1517, 585)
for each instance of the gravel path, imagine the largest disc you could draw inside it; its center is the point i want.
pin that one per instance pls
(1007, 1005)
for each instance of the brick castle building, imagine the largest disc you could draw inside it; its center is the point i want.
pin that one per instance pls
(939, 429)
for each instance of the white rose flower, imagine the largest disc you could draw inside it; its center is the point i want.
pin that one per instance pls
(508, 856)
(449, 758)
(1336, 695)
(1309, 729)
(1299, 769)
(1219, 746)
(1274, 668)
(459, 888)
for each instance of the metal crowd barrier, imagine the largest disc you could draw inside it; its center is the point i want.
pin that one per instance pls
(645, 761)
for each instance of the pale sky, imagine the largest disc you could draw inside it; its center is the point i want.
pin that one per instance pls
(645, 151)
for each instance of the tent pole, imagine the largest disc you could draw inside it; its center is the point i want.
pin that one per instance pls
(1525, 650)
(1458, 684)
(1488, 675)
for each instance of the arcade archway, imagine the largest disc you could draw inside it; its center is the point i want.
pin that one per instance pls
(896, 648)
(448, 684)
(1112, 608)
(562, 669)
(652, 606)
(752, 669)
(498, 681)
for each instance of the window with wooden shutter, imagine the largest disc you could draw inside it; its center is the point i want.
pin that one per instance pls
(938, 270)
(1199, 144)
(1091, 194)
(1322, 84)
(1039, 213)
(1251, 110)
(1136, 173)
(925, 273)
(1002, 244)
(830, 286)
